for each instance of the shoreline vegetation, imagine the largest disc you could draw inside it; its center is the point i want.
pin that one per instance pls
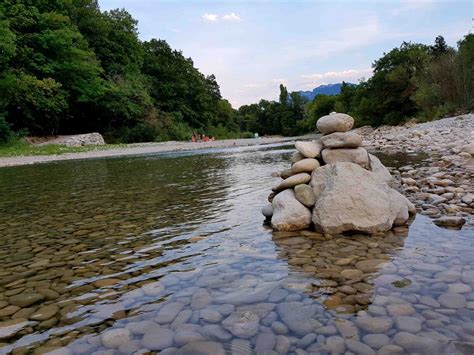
(70, 68)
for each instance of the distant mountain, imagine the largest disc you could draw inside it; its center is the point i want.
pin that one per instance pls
(329, 89)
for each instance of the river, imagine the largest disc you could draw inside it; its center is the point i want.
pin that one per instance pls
(169, 252)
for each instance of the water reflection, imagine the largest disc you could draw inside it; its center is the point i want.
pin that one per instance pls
(168, 253)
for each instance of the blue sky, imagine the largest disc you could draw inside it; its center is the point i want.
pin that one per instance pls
(253, 46)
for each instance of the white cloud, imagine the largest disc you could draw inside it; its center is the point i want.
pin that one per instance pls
(310, 81)
(210, 17)
(232, 17)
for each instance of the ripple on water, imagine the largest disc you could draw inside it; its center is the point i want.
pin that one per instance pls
(169, 252)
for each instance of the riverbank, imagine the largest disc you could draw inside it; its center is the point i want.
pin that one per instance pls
(442, 185)
(142, 148)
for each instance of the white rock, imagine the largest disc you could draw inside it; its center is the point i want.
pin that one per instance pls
(288, 213)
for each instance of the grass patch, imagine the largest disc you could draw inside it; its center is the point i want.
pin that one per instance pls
(20, 148)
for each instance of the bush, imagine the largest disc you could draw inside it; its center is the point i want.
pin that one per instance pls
(6, 133)
(137, 134)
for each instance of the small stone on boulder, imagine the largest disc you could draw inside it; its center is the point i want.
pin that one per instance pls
(305, 195)
(301, 178)
(310, 149)
(335, 122)
(305, 166)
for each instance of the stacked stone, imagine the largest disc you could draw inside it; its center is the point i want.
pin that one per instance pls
(335, 185)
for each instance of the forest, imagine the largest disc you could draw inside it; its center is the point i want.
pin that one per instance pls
(66, 67)
(418, 81)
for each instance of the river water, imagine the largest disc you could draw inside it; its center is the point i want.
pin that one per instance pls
(169, 253)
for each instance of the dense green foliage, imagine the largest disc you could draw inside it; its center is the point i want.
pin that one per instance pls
(67, 67)
(411, 81)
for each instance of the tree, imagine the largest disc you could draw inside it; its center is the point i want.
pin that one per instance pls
(283, 95)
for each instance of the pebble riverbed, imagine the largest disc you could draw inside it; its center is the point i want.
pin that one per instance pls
(168, 254)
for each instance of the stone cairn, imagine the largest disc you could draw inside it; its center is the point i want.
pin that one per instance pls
(334, 186)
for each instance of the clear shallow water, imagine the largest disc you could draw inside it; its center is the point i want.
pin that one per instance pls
(170, 253)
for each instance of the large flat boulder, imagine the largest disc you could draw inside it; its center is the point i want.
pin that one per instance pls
(354, 155)
(335, 122)
(351, 198)
(341, 140)
(288, 213)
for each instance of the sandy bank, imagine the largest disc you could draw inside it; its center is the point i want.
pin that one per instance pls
(145, 148)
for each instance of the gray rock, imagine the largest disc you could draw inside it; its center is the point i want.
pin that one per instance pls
(116, 337)
(468, 277)
(341, 140)
(267, 210)
(200, 299)
(216, 332)
(265, 341)
(374, 324)
(390, 349)
(292, 181)
(279, 328)
(335, 344)
(335, 122)
(288, 213)
(158, 339)
(408, 324)
(202, 348)
(184, 337)
(247, 295)
(347, 329)
(380, 171)
(359, 348)
(350, 155)
(298, 317)
(452, 300)
(210, 315)
(309, 149)
(305, 166)
(243, 324)
(376, 341)
(417, 344)
(306, 341)
(168, 312)
(450, 221)
(282, 344)
(305, 195)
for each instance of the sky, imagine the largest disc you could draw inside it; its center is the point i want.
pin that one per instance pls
(253, 46)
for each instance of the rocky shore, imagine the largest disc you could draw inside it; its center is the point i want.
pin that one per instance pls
(442, 184)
